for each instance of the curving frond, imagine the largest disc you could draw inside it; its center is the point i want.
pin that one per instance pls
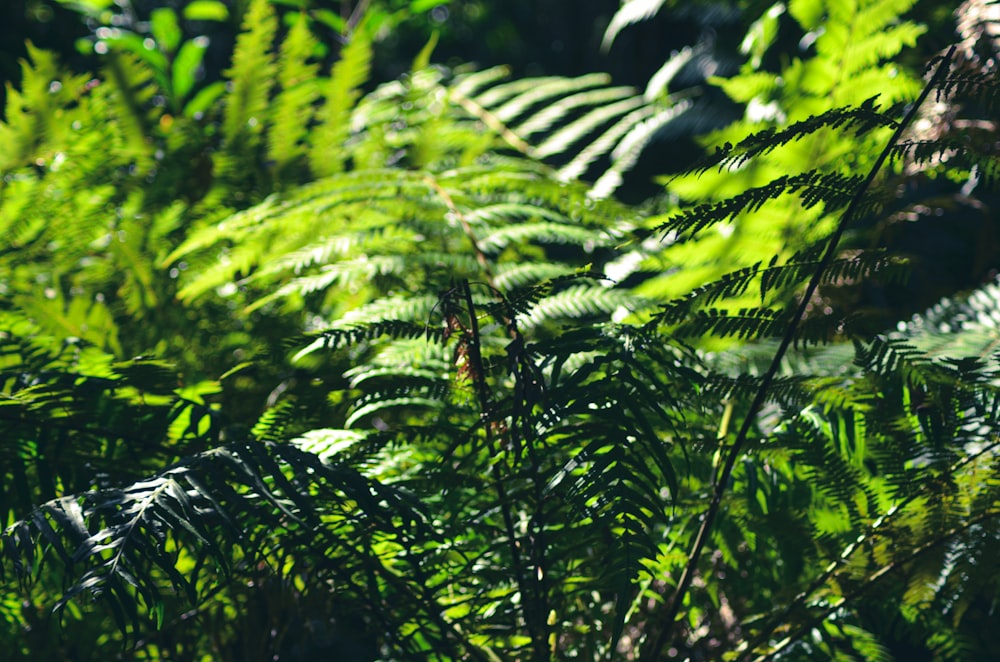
(221, 508)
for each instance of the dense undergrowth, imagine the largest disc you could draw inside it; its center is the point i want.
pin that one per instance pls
(297, 363)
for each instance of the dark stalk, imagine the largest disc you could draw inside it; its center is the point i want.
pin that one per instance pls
(536, 622)
(871, 581)
(673, 605)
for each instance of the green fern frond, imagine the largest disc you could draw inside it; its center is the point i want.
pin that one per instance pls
(775, 277)
(610, 121)
(474, 441)
(368, 268)
(67, 405)
(388, 310)
(131, 104)
(539, 91)
(467, 85)
(362, 238)
(580, 302)
(745, 323)
(596, 148)
(832, 190)
(860, 119)
(626, 154)
(350, 335)
(561, 140)
(544, 120)
(543, 233)
(36, 114)
(245, 489)
(252, 74)
(631, 12)
(292, 108)
(510, 276)
(341, 94)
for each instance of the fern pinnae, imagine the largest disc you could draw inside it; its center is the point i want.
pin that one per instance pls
(498, 95)
(309, 205)
(860, 120)
(732, 284)
(579, 431)
(344, 335)
(341, 93)
(630, 12)
(626, 154)
(388, 310)
(543, 233)
(252, 75)
(832, 190)
(293, 105)
(510, 276)
(381, 404)
(883, 358)
(659, 640)
(544, 119)
(564, 138)
(133, 92)
(32, 110)
(742, 324)
(871, 581)
(595, 149)
(506, 211)
(544, 90)
(467, 85)
(981, 87)
(869, 51)
(373, 239)
(577, 302)
(367, 268)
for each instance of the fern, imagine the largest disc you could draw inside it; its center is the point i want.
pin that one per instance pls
(33, 124)
(789, 121)
(631, 12)
(443, 419)
(611, 122)
(252, 76)
(296, 77)
(350, 72)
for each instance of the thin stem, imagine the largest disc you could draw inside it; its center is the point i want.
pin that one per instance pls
(481, 258)
(535, 621)
(677, 599)
(873, 531)
(493, 122)
(872, 580)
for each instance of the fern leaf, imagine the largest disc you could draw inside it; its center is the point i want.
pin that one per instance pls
(252, 75)
(631, 12)
(832, 190)
(291, 116)
(598, 147)
(342, 91)
(580, 301)
(540, 90)
(576, 130)
(626, 154)
(543, 120)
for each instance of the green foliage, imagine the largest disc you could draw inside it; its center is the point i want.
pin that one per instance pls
(790, 117)
(456, 403)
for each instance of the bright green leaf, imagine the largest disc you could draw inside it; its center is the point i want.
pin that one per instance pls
(206, 10)
(186, 65)
(165, 29)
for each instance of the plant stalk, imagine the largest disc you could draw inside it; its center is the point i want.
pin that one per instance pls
(673, 605)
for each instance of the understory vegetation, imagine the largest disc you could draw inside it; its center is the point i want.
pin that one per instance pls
(300, 364)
